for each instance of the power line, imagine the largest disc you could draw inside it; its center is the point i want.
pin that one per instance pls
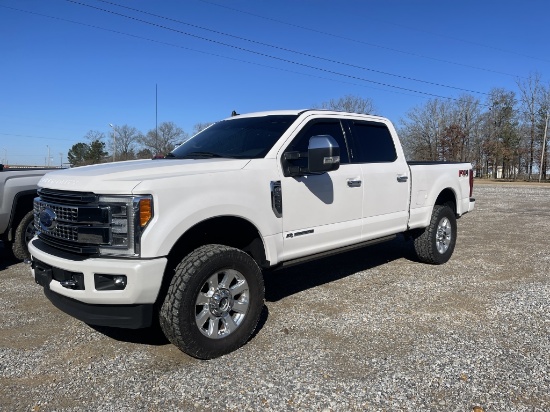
(209, 53)
(262, 54)
(378, 45)
(401, 92)
(287, 49)
(35, 137)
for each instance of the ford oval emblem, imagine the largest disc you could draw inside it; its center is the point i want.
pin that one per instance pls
(47, 219)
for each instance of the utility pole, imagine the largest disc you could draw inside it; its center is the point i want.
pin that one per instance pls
(114, 141)
(156, 112)
(543, 145)
(156, 119)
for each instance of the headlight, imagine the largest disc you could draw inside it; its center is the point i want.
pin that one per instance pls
(128, 217)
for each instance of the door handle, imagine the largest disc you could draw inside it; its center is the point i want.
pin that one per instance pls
(354, 183)
(402, 179)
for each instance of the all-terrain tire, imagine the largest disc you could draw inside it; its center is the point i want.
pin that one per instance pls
(23, 234)
(436, 243)
(214, 301)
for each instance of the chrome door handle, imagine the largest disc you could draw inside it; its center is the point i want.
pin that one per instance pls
(354, 183)
(402, 179)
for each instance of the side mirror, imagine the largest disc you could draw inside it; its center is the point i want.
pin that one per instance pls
(323, 154)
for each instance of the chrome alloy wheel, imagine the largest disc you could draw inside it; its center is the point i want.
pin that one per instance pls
(222, 304)
(443, 235)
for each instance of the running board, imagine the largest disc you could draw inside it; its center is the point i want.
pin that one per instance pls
(332, 252)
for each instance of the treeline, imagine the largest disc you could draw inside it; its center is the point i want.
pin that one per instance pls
(502, 135)
(128, 143)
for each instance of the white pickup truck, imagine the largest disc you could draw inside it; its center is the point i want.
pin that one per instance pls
(184, 239)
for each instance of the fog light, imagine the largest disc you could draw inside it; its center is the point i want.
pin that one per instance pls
(120, 281)
(110, 282)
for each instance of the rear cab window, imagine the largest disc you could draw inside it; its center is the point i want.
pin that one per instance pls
(372, 142)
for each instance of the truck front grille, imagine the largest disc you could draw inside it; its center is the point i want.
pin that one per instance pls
(63, 213)
(63, 232)
(72, 221)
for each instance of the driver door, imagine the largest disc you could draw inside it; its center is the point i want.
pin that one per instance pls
(321, 211)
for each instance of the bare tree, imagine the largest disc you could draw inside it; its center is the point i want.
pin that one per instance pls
(94, 135)
(530, 90)
(466, 113)
(460, 121)
(458, 130)
(169, 135)
(199, 127)
(124, 144)
(451, 143)
(424, 128)
(349, 103)
(502, 143)
(467, 117)
(542, 131)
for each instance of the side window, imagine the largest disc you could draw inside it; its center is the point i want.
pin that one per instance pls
(316, 128)
(373, 143)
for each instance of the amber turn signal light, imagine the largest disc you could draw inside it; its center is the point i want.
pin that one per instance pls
(145, 211)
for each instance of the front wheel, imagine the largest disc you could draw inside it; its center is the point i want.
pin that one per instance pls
(436, 243)
(214, 301)
(23, 234)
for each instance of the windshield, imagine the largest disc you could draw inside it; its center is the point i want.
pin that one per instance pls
(244, 138)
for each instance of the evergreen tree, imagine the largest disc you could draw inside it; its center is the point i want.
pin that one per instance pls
(96, 152)
(78, 154)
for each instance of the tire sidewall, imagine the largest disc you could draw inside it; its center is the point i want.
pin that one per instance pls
(19, 247)
(188, 337)
(439, 214)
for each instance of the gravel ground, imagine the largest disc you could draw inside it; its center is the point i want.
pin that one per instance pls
(366, 330)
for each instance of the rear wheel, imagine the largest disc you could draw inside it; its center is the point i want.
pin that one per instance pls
(214, 301)
(23, 234)
(436, 243)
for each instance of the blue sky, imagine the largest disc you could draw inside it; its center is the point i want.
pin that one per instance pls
(66, 68)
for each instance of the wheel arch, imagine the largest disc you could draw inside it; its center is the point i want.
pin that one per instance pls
(232, 231)
(22, 204)
(447, 197)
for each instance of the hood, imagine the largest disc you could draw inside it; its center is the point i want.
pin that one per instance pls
(123, 177)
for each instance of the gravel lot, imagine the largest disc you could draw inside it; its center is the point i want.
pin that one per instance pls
(367, 330)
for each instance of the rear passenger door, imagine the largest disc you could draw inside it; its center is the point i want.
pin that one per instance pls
(385, 178)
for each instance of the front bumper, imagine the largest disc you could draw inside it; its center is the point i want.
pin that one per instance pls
(143, 282)
(117, 316)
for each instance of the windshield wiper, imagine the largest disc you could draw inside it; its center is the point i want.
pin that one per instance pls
(201, 155)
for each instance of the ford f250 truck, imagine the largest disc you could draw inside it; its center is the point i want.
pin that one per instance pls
(17, 192)
(184, 239)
